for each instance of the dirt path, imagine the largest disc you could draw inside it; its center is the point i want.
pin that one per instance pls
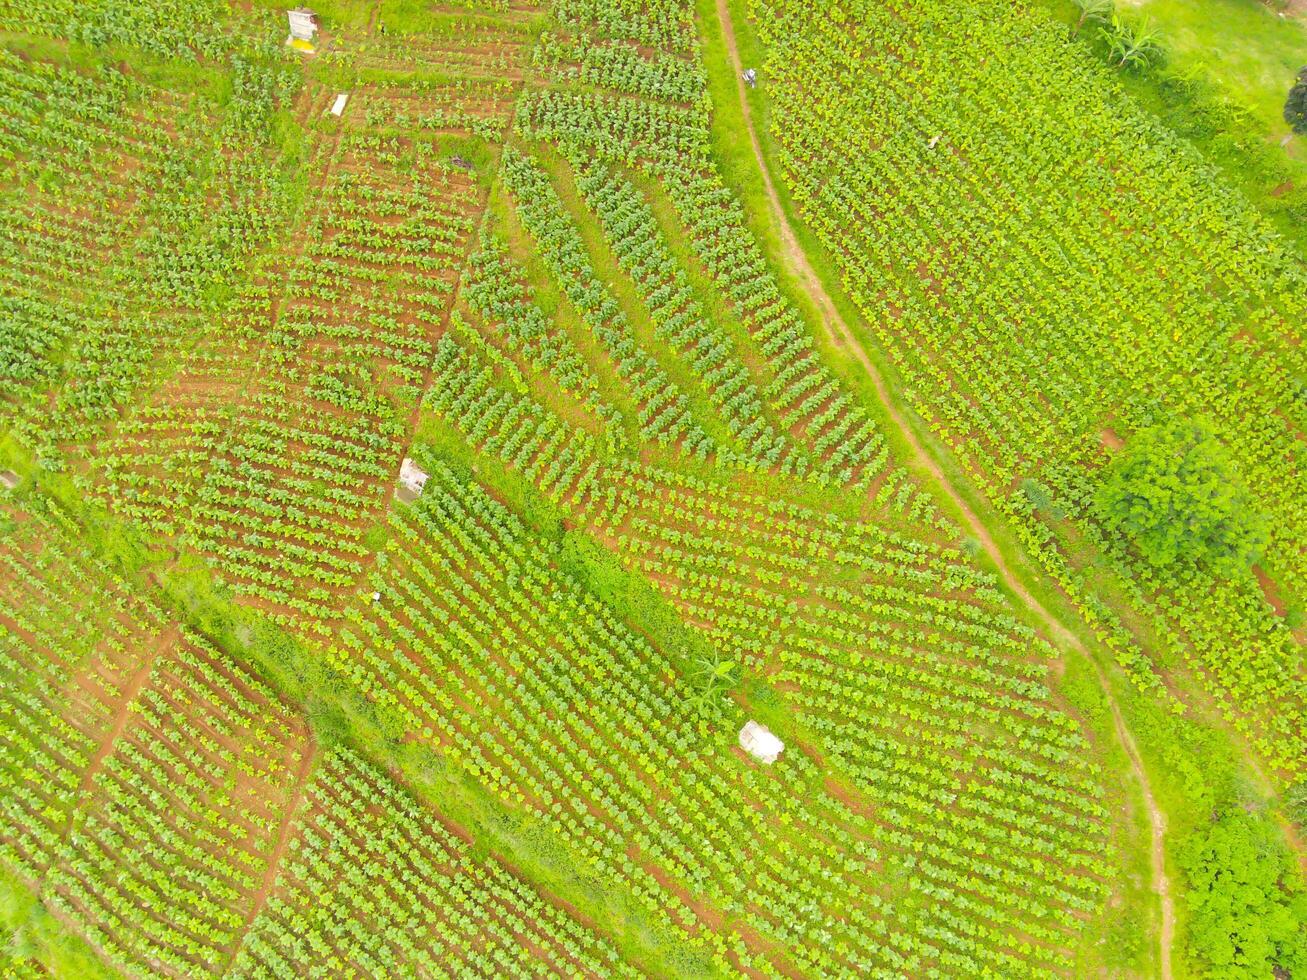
(840, 334)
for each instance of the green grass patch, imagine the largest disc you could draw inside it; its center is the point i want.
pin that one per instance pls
(33, 939)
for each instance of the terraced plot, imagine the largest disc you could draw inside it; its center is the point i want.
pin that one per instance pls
(169, 808)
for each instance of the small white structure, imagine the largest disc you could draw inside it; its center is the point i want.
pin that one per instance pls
(750, 77)
(760, 743)
(338, 106)
(411, 480)
(303, 26)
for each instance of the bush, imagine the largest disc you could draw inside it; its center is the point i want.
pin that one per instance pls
(1041, 498)
(1295, 106)
(1248, 910)
(1295, 803)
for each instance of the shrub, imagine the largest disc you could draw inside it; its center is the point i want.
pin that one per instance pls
(1174, 492)
(1248, 911)
(1295, 106)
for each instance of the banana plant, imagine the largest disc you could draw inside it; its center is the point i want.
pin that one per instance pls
(1133, 45)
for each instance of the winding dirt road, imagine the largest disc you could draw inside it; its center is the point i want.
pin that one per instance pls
(840, 334)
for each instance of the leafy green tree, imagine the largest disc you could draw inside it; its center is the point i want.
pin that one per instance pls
(1248, 910)
(1295, 106)
(1174, 492)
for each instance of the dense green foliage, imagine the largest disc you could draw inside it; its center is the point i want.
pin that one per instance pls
(1296, 803)
(1295, 104)
(1175, 493)
(1247, 906)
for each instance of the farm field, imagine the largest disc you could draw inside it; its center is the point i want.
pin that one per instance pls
(425, 458)
(1221, 83)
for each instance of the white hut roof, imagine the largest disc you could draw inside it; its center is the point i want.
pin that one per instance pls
(303, 23)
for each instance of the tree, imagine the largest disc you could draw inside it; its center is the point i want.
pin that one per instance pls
(1092, 11)
(1131, 46)
(1295, 106)
(1248, 912)
(1174, 492)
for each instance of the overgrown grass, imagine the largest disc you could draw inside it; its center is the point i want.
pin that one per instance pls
(31, 937)
(181, 75)
(1244, 46)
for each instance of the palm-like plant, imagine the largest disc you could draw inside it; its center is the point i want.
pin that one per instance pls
(1133, 46)
(1092, 11)
(713, 677)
